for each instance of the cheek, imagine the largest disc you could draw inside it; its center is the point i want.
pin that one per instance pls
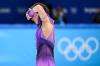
(35, 19)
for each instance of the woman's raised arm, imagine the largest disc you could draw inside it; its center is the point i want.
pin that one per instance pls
(41, 12)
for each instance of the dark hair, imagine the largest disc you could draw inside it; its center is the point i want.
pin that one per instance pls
(43, 5)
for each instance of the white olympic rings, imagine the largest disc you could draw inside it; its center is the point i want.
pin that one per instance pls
(77, 51)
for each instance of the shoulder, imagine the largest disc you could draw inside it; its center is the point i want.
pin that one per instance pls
(51, 20)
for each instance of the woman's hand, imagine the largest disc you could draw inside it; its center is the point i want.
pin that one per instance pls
(29, 14)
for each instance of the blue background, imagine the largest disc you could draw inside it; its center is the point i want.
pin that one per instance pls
(18, 16)
(18, 45)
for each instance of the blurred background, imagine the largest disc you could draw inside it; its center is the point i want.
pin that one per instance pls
(77, 21)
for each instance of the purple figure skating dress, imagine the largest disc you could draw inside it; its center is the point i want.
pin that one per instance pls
(45, 47)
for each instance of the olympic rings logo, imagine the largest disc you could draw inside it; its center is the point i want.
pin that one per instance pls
(78, 51)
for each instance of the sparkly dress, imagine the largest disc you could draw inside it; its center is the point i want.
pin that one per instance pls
(45, 47)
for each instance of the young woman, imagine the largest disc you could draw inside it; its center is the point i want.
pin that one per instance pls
(38, 13)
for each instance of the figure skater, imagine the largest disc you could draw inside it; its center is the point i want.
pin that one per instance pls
(44, 35)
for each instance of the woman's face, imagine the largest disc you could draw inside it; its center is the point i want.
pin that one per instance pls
(35, 18)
